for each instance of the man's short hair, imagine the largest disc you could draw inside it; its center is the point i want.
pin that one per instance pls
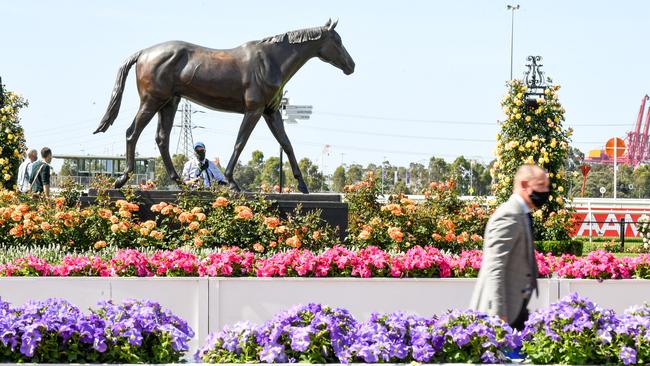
(528, 172)
(33, 153)
(46, 152)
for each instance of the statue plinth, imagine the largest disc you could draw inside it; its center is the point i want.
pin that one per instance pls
(332, 209)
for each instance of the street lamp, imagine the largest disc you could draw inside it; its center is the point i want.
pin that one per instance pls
(512, 9)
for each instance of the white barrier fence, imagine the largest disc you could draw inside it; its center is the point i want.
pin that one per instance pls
(210, 303)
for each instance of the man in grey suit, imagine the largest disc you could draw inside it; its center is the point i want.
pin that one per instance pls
(508, 274)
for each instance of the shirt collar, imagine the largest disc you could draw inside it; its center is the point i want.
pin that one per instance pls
(522, 203)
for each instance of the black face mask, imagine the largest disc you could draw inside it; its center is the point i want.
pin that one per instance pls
(200, 154)
(539, 198)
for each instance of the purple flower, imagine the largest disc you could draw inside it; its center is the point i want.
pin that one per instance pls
(271, 354)
(627, 355)
(299, 339)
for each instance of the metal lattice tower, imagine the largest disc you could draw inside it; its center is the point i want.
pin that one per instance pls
(185, 140)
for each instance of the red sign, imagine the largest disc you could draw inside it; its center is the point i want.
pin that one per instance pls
(603, 222)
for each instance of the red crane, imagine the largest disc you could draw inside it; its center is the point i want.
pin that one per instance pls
(638, 143)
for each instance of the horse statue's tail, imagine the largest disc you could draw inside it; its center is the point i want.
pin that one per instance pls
(116, 97)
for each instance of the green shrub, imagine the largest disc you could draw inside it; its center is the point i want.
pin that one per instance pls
(559, 247)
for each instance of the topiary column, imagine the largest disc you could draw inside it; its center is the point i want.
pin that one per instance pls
(532, 133)
(12, 137)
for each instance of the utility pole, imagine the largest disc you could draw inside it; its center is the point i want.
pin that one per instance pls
(512, 9)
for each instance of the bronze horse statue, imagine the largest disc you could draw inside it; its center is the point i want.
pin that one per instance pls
(248, 79)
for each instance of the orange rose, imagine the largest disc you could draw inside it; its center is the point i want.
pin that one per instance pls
(294, 242)
(258, 247)
(100, 244)
(114, 219)
(244, 212)
(220, 202)
(196, 210)
(200, 216)
(183, 217)
(156, 235)
(364, 235)
(17, 216)
(45, 226)
(436, 236)
(450, 236)
(149, 224)
(271, 222)
(105, 213)
(198, 242)
(194, 225)
(316, 235)
(22, 208)
(396, 234)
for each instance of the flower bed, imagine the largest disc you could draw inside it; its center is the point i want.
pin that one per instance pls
(576, 331)
(425, 262)
(56, 331)
(572, 331)
(319, 334)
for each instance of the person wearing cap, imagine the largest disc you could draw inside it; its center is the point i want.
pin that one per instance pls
(199, 170)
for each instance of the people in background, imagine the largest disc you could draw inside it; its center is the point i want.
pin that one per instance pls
(24, 171)
(40, 175)
(201, 171)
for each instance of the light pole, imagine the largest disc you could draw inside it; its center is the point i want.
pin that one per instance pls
(512, 9)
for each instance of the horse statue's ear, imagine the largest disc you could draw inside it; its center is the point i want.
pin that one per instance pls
(333, 25)
(329, 21)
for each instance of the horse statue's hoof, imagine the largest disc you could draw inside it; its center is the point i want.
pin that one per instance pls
(121, 181)
(302, 187)
(233, 186)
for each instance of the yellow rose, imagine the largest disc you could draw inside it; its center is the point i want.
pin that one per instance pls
(560, 189)
(7, 177)
(528, 119)
(518, 116)
(528, 144)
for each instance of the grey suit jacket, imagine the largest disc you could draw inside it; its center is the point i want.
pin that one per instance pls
(506, 268)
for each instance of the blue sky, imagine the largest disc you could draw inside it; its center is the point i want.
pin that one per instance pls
(418, 64)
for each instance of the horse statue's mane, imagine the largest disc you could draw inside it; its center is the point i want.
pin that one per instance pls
(296, 36)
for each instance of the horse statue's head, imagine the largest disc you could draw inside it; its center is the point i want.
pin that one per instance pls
(332, 50)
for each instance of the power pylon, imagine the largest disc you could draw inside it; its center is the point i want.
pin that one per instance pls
(185, 139)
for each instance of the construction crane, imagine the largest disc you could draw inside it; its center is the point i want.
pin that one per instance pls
(637, 143)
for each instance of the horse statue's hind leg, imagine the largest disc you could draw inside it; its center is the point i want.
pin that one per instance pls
(165, 124)
(248, 124)
(148, 108)
(276, 125)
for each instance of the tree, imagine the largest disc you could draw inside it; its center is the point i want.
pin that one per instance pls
(438, 169)
(162, 179)
(338, 179)
(12, 136)
(533, 134)
(271, 171)
(354, 174)
(69, 168)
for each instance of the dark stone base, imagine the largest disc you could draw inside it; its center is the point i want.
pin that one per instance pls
(333, 210)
